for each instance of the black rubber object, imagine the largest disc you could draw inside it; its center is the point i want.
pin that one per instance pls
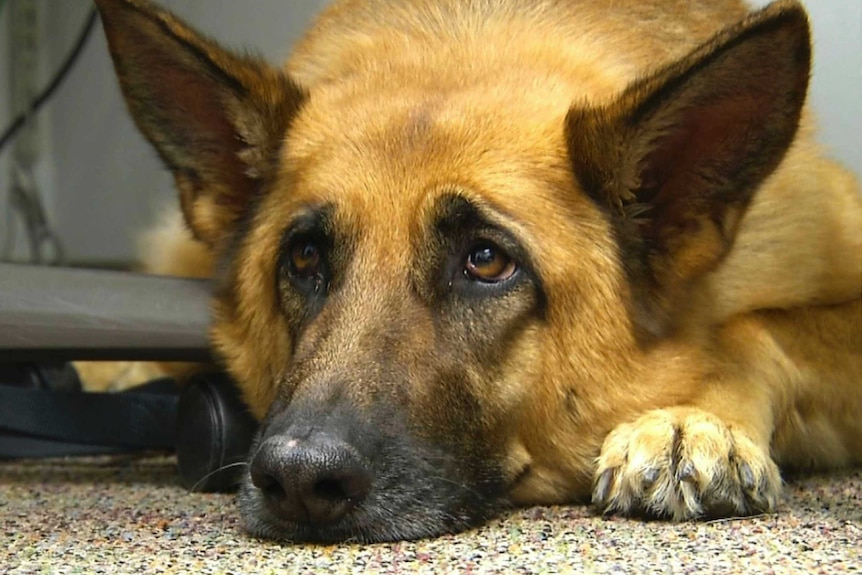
(214, 434)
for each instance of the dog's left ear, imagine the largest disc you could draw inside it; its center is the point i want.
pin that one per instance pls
(217, 119)
(677, 157)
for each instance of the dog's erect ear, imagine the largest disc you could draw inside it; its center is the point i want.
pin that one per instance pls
(677, 157)
(216, 119)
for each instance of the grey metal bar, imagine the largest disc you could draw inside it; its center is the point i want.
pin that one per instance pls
(64, 314)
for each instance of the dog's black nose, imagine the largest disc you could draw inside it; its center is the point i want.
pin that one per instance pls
(315, 479)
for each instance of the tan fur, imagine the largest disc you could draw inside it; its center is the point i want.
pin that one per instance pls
(102, 376)
(760, 363)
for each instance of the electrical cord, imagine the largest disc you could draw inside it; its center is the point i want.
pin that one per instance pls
(23, 198)
(19, 122)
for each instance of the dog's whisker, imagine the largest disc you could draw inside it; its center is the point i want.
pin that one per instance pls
(203, 479)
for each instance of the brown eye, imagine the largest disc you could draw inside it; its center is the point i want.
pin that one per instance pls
(488, 263)
(305, 258)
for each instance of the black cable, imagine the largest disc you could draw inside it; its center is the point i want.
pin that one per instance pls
(58, 78)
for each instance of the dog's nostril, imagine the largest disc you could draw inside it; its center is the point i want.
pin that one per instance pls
(269, 485)
(350, 486)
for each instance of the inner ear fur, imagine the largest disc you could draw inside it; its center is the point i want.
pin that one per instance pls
(676, 159)
(216, 119)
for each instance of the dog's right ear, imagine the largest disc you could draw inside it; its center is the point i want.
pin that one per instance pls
(217, 119)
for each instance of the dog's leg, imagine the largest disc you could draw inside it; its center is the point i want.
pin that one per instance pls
(785, 389)
(706, 457)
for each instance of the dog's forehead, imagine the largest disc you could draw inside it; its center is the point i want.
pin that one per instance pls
(388, 159)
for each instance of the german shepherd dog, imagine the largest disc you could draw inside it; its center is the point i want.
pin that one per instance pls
(476, 254)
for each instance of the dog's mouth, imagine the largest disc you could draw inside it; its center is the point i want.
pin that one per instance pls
(315, 486)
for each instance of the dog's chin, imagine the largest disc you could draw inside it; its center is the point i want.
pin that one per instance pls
(388, 514)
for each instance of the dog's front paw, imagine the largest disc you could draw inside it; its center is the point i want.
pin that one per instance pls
(684, 463)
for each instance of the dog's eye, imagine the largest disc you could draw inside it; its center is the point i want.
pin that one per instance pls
(488, 263)
(305, 258)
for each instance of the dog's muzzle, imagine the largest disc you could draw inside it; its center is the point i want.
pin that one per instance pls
(326, 471)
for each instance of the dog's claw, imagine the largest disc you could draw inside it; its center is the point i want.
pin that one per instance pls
(603, 487)
(746, 477)
(650, 476)
(687, 473)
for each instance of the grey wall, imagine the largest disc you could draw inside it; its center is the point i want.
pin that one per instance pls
(836, 86)
(102, 182)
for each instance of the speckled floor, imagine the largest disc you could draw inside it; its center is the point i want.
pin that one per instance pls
(129, 515)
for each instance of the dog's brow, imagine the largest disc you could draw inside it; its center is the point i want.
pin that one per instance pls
(455, 212)
(311, 218)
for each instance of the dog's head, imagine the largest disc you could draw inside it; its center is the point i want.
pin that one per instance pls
(436, 301)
